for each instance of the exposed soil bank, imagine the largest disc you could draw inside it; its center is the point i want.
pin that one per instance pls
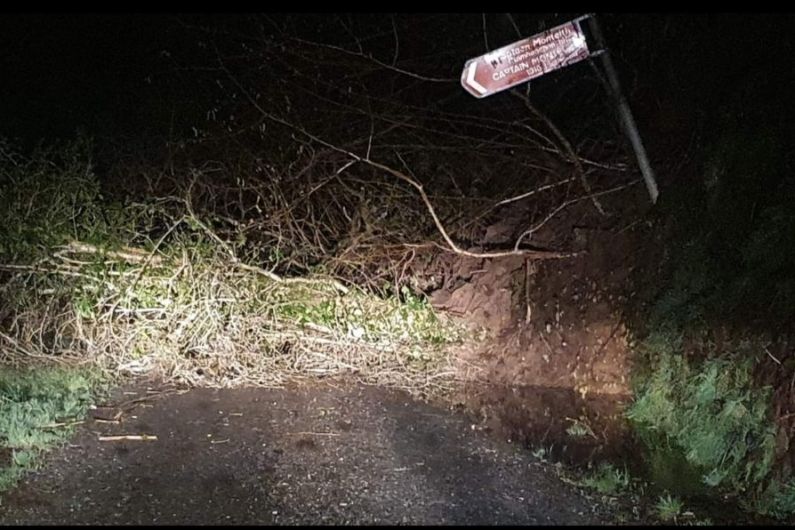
(553, 369)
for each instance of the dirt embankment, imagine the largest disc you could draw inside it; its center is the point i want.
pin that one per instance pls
(556, 357)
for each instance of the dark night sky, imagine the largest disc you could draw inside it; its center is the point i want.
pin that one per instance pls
(63, 72)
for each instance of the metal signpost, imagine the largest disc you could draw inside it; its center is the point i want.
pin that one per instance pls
(550, 50)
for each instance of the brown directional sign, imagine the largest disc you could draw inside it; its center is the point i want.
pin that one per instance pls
(524, 60)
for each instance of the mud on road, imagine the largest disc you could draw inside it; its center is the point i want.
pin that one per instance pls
(325, 454)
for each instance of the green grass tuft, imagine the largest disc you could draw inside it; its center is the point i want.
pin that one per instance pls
(668, 508)
(608, 479)
(778, 500)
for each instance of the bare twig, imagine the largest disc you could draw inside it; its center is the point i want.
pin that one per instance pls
(513, 23)
(379, 63)
(531, 193)
(397, 41)
(772, 356)
(553, 213)
(485, 32)
(61, 424)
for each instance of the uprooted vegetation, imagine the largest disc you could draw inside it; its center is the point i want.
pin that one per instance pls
(149, 286)
(205, 276)
(282, 249)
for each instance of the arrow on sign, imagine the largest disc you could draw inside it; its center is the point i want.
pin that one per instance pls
(526, 59)
(470, 82)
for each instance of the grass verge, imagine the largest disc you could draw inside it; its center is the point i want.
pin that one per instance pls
(707, 427)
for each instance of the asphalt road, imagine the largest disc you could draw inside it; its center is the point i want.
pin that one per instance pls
(313, 455)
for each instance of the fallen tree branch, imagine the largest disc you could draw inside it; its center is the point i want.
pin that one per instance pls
(532, 230)
(531, 254)
(537, 254)
(253, 268)
(128, 254)
(530, 193)
(566, 145)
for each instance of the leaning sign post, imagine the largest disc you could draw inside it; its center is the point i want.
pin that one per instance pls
(550, 50)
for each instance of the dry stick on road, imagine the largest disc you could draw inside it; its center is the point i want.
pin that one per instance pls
(531, 254)
(129, 437)
(313, 433)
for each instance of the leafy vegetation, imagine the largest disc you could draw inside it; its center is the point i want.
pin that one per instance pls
(38, 408)
(711, 415)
